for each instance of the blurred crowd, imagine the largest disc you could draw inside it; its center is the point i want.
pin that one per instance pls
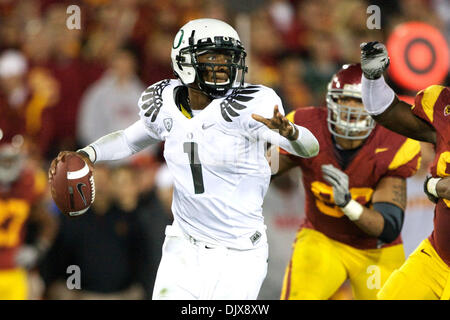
(64, 79)
(63, 88)
(117, 244)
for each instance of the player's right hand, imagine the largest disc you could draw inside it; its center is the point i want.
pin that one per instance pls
(374, 59)
(61, 155)
(280, 123)
(340, 183)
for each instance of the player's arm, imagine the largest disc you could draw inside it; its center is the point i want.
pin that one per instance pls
(381, 102)
(385, 219)
(279, 162)
(114, 146)
(399, 118)
(295, 139)
(120, 144)
(443, 188)
(29, 255)
(389, 204)
(46, 224)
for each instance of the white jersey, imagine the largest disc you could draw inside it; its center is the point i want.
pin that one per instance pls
(217, 160)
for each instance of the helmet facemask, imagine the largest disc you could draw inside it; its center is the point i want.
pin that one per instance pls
(12, 160)
(345, 121)
(234, 67)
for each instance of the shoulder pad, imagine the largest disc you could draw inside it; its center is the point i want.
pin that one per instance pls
(236, 101)
(428, 101)
(151, 99)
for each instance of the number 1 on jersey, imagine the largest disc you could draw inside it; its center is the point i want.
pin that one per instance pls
(191, 148)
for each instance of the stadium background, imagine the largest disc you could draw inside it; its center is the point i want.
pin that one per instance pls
(85, 83)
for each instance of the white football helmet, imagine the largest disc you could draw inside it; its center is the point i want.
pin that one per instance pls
(204, 35)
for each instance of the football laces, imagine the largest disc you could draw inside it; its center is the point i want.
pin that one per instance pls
(91, 180)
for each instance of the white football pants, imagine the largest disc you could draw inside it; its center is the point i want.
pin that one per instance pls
(191, 269)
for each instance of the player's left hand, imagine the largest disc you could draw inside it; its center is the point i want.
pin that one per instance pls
(59, 158)
(374, 59)
(280, 123)
(28, 256)
(339, 182)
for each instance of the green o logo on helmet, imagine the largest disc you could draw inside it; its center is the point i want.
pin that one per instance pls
(179, 40)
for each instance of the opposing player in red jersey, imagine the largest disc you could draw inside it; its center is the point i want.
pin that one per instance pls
(426, 273)
(21, 201)
(355, 197)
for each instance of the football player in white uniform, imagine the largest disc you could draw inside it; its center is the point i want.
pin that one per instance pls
(215, 127)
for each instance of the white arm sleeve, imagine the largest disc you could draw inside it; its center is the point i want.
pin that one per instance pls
(377, 96)
(306, 145)
(123, 143)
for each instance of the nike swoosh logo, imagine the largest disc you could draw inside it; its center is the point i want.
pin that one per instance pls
(80, 191)
(423, 251)
(381, 150)
(204, 126)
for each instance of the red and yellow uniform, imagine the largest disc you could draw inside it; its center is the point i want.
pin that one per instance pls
(15, 205)
(329, 248)
(426, 273)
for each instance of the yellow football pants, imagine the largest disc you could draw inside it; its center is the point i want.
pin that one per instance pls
(424, 276)
(13, 284)
(320, 265)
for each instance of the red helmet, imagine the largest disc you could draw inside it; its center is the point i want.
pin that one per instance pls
(11, 156)
(345, 121)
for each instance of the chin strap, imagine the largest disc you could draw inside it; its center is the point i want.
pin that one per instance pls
(191, 86)
(201, 91)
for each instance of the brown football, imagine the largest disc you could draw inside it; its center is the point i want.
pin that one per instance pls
(72, 186)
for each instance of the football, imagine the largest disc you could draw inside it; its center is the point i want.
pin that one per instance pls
(72, 185)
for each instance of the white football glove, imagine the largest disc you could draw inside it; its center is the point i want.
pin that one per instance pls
(374, 59)
(27, 256)
(339, 182)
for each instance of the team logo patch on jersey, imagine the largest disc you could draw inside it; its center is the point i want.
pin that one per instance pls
(152, 98)
(232, 103)
(447, 110)
(168, 122)
(255, 237)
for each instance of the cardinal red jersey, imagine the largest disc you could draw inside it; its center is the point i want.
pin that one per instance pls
(383, 154)
(15, 204)
(433, 106)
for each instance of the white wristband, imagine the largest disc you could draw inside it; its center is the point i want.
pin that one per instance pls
(91, 153)
(377, 96)
(353, 210)
(431, 186)
(294, 130)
